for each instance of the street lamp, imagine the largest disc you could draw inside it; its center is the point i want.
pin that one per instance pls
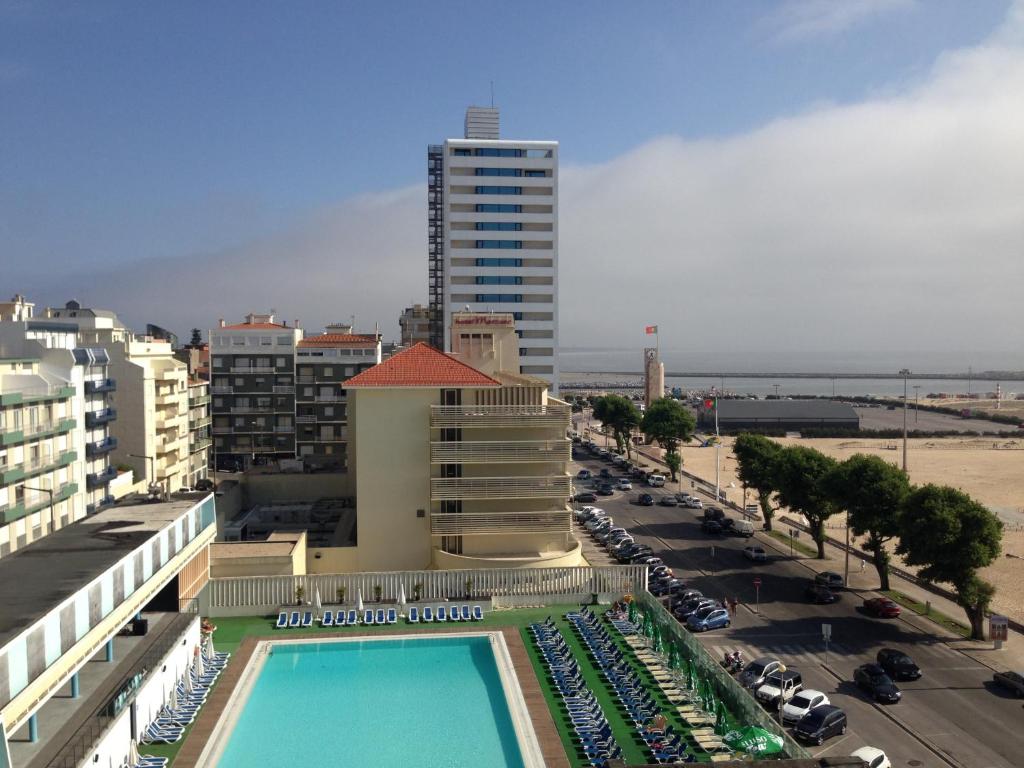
(782, 683)
(47, 491)
(776, 391)
(904, 372)
(152, 463)
(917, 394)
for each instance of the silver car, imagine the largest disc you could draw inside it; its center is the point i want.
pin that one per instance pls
(754, 674)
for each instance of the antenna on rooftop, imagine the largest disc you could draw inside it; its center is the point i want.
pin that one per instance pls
(492, 93)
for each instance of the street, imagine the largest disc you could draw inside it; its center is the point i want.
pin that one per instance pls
(952, 715)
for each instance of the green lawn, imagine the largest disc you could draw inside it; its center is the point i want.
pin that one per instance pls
(798, 546)
(922, 609)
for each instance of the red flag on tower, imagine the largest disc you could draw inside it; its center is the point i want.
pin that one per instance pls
(650, 329)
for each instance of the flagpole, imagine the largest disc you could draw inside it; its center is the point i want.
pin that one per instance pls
(718, 454)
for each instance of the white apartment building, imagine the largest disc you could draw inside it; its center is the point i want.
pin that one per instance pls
(493, 236)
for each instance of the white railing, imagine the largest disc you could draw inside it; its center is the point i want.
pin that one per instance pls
(259, 592)
(498, 415)
(484, 452)
(499, 523)
(284, 389)
(305, 419)
(547, 487)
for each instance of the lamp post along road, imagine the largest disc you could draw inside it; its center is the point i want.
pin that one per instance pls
(904, 372)
(48, 491)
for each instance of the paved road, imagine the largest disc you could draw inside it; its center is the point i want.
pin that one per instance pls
(951, 716)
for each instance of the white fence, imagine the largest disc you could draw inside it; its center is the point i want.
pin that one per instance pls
(268, 592)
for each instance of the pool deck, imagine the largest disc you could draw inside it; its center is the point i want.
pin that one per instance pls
(211, 712)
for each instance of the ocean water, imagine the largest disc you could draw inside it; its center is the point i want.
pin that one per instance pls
(431, 702)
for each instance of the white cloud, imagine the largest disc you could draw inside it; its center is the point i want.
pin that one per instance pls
(803, 19)
(891, 225)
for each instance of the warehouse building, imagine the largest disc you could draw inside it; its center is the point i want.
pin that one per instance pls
(788, 415)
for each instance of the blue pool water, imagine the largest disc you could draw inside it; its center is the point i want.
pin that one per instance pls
(433, 702)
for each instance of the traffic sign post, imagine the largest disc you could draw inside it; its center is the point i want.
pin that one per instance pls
(998, 630)
(826, 633)
(757, 594)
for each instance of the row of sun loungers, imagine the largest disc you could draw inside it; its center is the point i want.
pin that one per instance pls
(665, 745)
(593, 732)
(351, 618)
(189, 695)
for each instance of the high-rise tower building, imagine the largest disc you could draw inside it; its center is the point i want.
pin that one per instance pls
(492, 208)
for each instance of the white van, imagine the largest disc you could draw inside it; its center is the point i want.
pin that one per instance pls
(656, 481)
(743, 528)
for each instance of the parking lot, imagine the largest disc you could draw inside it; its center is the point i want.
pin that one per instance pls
(928, 727)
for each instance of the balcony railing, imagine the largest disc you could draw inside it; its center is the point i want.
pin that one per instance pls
(222, 390)
(196, 401)
(330, 398)
(96, 479)
(546, 487)
(11, 435)
(29, 504)
(106, 445)
(499, 452)
(99, 418)
(15, 471)
(199, 423)
(46, 392)
(222, 430)
(306, 419)
(305, 379)
(252, 369)
(499, 523)
(195, 446)
(252, 409)
(284, 429)
(498, 415)
(284, 389)
(100, 385)
(167, 398)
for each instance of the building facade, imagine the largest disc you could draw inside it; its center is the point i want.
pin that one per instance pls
(252, 386)
(492, 208)
(414, 323)
(654, 377)
(200, 441)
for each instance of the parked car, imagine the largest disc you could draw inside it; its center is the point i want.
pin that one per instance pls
(605, 474)
(743, 528)
(687, 594)
(711, 526)
(1011, 681)
(882, 607)
(897, 664)
(798, 706)
(873, 756)
(645, 500)
(656, 481)
(667, 501)
(607, 533)
(690, 607)
(755, 554)
(583, 474)
(635, 554)
(624, 484)
(660, 572)
(779, 685)
(755, 673)
(605, 489)
(716, 618)
(682, 498)
(597, 521)
(872, 679)
(821, 723)
(676, 587)
(585, 497)
(830, 579)
(713, 513)
(816, 593)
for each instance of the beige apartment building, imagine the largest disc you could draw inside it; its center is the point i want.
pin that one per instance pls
(458, 462)
(199, 441)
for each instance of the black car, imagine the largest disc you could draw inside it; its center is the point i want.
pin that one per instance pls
(667, 501)
(816, 593)
(684, 611)
(586, 497)
(821, 723)
(604, 489)
(872, 679)
(627, 556)
(645, 500)
(605, 474)
(711, 526)
(686, 594)
(1011, 681)
(641, 557)
(897, 664)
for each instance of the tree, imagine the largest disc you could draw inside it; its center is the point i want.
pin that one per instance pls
(197, 338)
(754, 455)
(669, 422)
(620, 415)
(951, 536)
(799, 474)
(872, 492)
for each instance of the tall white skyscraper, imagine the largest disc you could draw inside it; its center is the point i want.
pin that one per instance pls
(493, 236)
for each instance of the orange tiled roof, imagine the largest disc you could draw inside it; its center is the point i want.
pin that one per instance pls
(252, 327)
(340, 340)
(421, 366)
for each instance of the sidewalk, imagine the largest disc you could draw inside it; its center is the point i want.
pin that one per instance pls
(865, 584)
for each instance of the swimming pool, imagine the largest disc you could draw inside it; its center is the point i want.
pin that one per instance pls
(428, 701)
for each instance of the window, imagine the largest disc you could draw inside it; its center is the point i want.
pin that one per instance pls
(265, 341)
(284, 341)
(498, 226)
(497, 152)
(498, 208)
(307, 391)
(517, 315)
(504, 262)
(462, 152)
(329, 410)
(506, 244)
(218, 402)
(328, 371)
(218, 362)
(499, 190)
(281, 362)
(499, 280)
(238, 341)
(537, 153)
(239, 382)
(537, 174)
(500, 298)
(239, 421)
(499, 172)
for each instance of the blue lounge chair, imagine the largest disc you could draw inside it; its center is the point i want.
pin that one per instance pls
(465, 613)
(478, 614)
(442, 613)
(453, 613)
(368, 616)
(327, 620)
(353, 618)
(379, 618)
(428, 613)
(282, 620)
(392, 616)
(294, 620)
(307, 619)
(339, 618)
(414, 615)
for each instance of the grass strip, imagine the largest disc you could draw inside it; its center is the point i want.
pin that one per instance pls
(923, 609)
(798, 546)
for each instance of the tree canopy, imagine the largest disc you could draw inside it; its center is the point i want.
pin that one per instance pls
(669, 422)
(755, 455)
(620, 415)
(799, 474)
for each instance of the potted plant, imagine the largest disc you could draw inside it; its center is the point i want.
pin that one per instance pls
(377, 592)
(417, 591)
(340, 594)
(300, 592)
(469, 588)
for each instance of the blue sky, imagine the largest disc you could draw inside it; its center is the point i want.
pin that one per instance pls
(134, 131)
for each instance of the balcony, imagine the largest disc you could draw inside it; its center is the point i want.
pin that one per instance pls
(499, 452)
(284, 429)
(9, 436)
(252, 369)
(10, 473)
(222, 430)
(305, 379)
(306, 418)
(100, 385)
(222, 390)
(252, 409)
(99, 418)
(499, 523)
(195, 446)
(92, 450)
(96, 479)
(197, 401)
(34, 394)
(11, 512)
(284, 389)
(167, 398)
(499, 416)
(330, 398)
(544, 487)
(202, 421)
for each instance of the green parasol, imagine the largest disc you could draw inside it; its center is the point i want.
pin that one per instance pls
(721, 720)
(632, 612)
(754, 740)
